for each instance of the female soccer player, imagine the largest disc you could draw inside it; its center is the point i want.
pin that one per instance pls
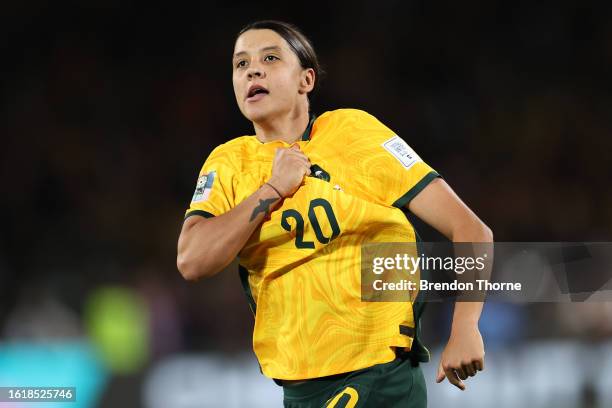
(295, 202)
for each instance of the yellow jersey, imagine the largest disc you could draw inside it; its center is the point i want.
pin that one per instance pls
(301, 268)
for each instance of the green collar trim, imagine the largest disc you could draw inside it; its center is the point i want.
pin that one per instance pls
(306, 135)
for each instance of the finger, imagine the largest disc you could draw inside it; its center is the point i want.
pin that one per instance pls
(302, 161)
(296, 153)
(479, 365)
(461, 373)
(299, 159)
(453, 379)
(440, 376)
(295, 147)
(469, 369)
(301, 156)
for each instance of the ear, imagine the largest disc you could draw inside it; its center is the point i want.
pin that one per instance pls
(307, 80)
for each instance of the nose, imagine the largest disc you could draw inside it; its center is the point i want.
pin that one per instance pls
(255, 71)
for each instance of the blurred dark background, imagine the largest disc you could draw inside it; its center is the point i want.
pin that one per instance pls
(109, 109)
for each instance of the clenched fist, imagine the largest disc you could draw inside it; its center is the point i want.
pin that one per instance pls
(288, 170)
(463, 356)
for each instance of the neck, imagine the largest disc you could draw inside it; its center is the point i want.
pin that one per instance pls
(288, 127)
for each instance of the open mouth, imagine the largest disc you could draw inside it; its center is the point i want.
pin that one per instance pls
(257, 92)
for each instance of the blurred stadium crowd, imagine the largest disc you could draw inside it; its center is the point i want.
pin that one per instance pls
(109, 109)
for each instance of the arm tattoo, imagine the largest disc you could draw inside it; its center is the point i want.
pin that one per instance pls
(263, 206)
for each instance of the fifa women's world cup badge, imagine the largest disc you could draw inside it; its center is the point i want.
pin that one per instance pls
(203, 187)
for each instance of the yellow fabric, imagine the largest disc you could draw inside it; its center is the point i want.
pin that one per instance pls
(309, 320)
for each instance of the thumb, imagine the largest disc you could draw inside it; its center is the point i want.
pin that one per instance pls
(440, 376)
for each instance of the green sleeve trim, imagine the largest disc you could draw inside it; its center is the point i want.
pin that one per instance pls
(244, 279)
(406, 198)
(201, 213)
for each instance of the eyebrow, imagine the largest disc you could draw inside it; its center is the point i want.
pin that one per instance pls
(268, 48)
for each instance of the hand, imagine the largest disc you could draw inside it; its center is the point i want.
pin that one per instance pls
(288, 170)
(463, 356)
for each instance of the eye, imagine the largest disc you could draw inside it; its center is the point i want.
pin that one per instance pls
(241, 64)
(270, 58)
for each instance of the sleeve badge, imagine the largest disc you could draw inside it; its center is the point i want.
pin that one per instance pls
(401, 151)
(203, 187)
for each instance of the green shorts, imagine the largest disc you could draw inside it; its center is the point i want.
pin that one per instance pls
(399, 383)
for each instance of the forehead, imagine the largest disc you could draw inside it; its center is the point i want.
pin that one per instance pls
(253, 41)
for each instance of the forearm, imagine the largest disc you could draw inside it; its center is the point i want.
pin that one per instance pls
(208, 246)
(464, 353)
(467, 312)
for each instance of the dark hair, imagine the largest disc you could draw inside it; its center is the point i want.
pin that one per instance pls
(298, 42)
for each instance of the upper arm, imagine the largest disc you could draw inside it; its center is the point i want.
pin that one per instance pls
(191, 221)
(439, 206)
